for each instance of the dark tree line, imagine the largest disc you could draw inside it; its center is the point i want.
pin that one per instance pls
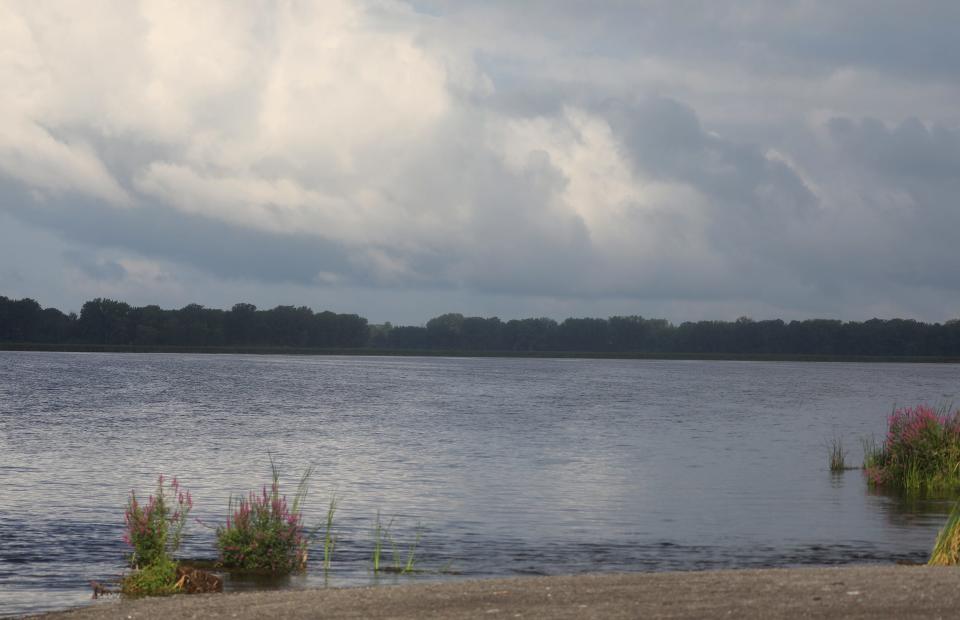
(108, 322)
(625, 334)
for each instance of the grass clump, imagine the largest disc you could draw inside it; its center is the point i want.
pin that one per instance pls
(382, 534)
(838, 455)
(156, 579)
(265, 533)
(872, 452)
(409, 566)
(155, 530)
(379, 533)
(921, 451)
(946, 551)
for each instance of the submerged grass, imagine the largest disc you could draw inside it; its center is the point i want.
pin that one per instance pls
(946, 551)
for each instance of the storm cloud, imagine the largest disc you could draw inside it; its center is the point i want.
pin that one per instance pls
(680, 159)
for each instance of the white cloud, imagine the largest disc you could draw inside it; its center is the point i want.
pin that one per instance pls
(639, 152)
(29, 154)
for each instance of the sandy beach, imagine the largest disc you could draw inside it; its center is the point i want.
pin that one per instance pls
(844, 592)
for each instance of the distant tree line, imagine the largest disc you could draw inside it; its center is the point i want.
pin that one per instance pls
(623, 334)
(108, 322)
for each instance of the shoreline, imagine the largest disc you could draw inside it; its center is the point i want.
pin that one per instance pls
(864, 591)
(371, 352)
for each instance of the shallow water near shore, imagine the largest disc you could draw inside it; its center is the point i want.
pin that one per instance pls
(509, 466)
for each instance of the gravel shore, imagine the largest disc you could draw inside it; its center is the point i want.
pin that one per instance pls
(845, 592)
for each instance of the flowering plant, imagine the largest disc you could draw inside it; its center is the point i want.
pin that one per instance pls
(265, 533)
(921, 450)
(155, 529)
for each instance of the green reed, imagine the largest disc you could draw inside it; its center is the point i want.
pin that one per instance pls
(872, 452)
(379, 534)
(946, 551)
(329, 540)
(838, 455)
(409, 566)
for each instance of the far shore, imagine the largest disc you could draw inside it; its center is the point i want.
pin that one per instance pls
(745, 357)
(869, 591)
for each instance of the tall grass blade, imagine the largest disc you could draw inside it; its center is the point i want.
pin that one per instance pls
(396, 553)
(838, 460)
(946, 551)
(409, 567)
(377, 543)
(329, 540)
(872, 453)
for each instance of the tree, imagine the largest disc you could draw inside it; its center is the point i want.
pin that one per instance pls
(104, 321)
(241, 325)
(530, 334)
(445, 331)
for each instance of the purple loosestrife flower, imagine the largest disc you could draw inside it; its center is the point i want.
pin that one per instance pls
(263, 533)
(154, 531)
(921, 449)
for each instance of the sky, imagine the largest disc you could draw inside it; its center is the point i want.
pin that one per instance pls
(677, 159)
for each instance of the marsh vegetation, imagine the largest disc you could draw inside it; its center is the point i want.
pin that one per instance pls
(921, 451)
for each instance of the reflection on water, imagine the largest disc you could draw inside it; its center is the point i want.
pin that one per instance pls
(239, 582)
(510, 466)
(907, 509)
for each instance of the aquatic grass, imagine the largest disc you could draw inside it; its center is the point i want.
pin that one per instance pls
(410, 565)
(872, 452)
(946, 551)
(838, 460)
(263, 532)
(395, 550)
(383, 535)
(329, 540)
(920, 452)
(379, 533)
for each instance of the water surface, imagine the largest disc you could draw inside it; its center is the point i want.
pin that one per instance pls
(508, 466)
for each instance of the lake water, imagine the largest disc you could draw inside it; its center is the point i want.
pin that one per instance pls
(507, 466)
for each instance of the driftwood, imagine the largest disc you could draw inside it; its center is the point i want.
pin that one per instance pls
(101, 590)
(196, 581)
(190, 580)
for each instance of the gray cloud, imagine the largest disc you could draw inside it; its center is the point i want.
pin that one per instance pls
(687, 157)
(666, 138)
(773, 38)
(909, 180)
(908, 151)
(104, 270)
(156, 231)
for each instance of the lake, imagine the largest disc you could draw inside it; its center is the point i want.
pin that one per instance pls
(504, 466)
